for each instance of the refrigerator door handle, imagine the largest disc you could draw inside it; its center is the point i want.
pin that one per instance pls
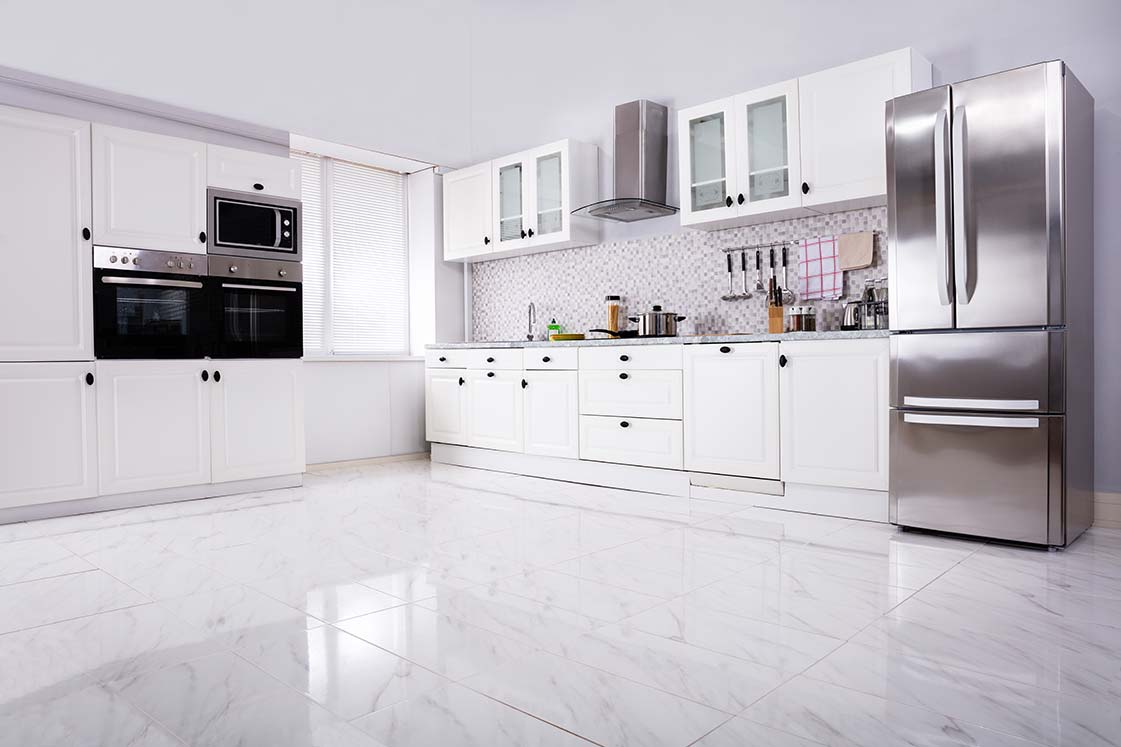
(961, 227)
(979, 421)
(956, 403)
(942, 201)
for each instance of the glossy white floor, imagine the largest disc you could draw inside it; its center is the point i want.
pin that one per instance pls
(412, 604)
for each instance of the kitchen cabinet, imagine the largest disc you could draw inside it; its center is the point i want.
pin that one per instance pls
(551, 410)
(46, 299)
(256, 419)
(707, 162)
(731, 413)
(495, 409)
(768, 163)
(445, 410)
(633, 392)
(149, 191)
(842, 127)
(638, 441)
(48, 432)
(153, 424)
(834, 410)
(250, 171)
(468, 213)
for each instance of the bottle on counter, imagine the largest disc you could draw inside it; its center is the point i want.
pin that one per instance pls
(809, 319)
(614, 311)
(868, 307)
(553, 328)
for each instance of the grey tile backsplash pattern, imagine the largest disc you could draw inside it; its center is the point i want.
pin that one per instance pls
(685, 272)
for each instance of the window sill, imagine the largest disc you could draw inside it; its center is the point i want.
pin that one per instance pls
(361, 358)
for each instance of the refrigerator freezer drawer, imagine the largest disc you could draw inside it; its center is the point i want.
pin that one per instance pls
(988, 475)
(1010, 371)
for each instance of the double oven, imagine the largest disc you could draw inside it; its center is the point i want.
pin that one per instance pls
(242, 299)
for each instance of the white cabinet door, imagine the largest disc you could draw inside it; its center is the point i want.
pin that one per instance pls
(510, 187)
(637, 393)
(549, 191)
(707, 162)
(552, 414)
(256, 419)
(468, 215)
(149, 191)
(842, 128)
(494, 410)
(153, 424)
(834, 396)
(48, 432)
(732, 409)
(249, 171)
(46, 299)
(639, 441)
(445, 405)
(767, 155)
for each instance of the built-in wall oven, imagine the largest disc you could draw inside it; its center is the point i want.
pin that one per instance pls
(149, 304)
(256, 308)
(245, 224)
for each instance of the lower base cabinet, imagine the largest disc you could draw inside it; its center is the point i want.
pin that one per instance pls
(643, 442)
(48, 433)
(445, 405)
(551, 412)
(495, 410)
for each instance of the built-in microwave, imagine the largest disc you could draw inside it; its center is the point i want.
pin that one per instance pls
(245, 224)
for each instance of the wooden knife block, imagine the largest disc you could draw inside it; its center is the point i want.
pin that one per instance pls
(774, 319)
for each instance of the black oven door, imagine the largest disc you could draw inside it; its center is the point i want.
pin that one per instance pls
(247, 225)
(148, 315)
(255, 319)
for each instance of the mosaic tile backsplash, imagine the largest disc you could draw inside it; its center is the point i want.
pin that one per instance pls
(684, 272)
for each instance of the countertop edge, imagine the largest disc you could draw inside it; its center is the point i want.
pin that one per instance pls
(863, 334)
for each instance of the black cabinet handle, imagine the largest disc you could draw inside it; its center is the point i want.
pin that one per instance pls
(531, 233)
(623, 376)
(258, 186)
(486, 240)
(490, 374)
(86, 234)
(624, 358)
(524, 383)
(805, 188)
(546, 359)
(725, 349)
(217, 376)
(443, 359)
(740, 199)
(728, 201)
(782, 361)
(461, 381)
(89, 379)
(202, 236)
(523, 233)
(490, 360)
(205, 376)
(624, 424)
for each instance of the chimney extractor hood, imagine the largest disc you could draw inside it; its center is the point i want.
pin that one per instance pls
(641, 152)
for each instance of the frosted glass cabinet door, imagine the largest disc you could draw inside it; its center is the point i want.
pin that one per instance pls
(549, 193)
(510, 202)
(706, 162)
(768, 156)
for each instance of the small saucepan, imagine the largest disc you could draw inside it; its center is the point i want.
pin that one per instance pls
(657, 323)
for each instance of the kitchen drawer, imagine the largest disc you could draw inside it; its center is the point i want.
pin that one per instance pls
(545, 359)
(495, 359)
(639, 394)
(446, 358)
(651, 357)
(638, 441)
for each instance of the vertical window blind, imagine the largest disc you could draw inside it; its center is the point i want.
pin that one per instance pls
(356, 263)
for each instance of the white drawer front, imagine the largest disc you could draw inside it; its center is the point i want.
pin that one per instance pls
(546, 359)
(495, 359)
(639, 394)
(646, 443)
(631, 356)
(446, 358)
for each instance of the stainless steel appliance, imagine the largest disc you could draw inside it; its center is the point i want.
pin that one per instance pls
(245, 224)
(256, 308)
(990, 212)
(148, 304)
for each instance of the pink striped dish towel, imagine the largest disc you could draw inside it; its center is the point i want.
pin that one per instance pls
(819, 273)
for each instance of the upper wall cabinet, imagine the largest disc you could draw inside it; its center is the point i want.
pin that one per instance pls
(810, 145)
(527, 204)
(149, 191)
(46, 300)
(249, 171)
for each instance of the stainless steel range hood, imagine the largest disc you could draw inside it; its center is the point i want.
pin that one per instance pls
(641, 153)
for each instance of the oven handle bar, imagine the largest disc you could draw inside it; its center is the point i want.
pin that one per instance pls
(242, 286)
(117, 280)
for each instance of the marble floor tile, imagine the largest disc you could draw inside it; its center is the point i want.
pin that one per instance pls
(595, 704)
(32, 559)
(567, 592)
(739, 732)
(46, 600)
(899, 546)
(329, 602)
(858, 565)
(232, 612)
(159, 574)
(455, 715)
(414, 583)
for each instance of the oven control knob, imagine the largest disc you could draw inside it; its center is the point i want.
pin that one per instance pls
(136, 260)
(113, 258)
(282, 273)
(287, 222)
(190, 265)
(181, 265)
(286, 234)
(170, 263)
(233, 268)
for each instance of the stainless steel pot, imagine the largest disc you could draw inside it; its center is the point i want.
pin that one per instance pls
(657, 323)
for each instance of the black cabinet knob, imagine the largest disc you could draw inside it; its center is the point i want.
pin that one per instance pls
(443, 359)
(740, 199)
(258, 186)
(531, 233)
(523, 233)
(205, 376)
(624, 358)
(728, 201)
(725, 349)
(524, 383)
(490, 360)
(545, 359)
(782, 361)
(86, 234)
(490, 374)
(202, 236)
(461, 381)
(217, 376)
(89, 379)
(805, 188)
(623, 376)
(624, 424)
(486, 240)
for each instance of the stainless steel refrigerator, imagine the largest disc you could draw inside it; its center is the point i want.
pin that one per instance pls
(990, 223)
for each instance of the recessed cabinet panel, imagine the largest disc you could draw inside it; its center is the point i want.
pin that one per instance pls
(468, 213)
(638, 393)
(46, 302)
(445, 412)
(494, 410)
(552, 421)
(638, 441)
(249, 171)
(48, 433)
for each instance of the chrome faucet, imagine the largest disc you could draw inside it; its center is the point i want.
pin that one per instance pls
(532, 321)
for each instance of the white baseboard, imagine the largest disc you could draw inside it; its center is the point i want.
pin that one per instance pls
(1107, 510)
(849, 503)
(146, 498)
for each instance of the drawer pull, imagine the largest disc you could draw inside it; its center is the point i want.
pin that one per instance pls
(624, 358)
(624, 424)
(490, 360)
(545, 359)
(443, 359)
(490, 374)
(623, 376)
(725, 349)
(782, 361)
(524, 383)
(461, 381)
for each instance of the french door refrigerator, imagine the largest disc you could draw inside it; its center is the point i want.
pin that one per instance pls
(990, 213)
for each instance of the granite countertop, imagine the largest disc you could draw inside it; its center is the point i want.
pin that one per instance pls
(835, 334)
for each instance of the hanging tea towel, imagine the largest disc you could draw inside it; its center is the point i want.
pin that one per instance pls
(819, 273)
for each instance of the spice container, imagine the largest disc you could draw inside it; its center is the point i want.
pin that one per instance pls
(796, 319)
(809, 319)
(614, 312)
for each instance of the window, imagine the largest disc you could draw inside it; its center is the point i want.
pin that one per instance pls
(356, 260)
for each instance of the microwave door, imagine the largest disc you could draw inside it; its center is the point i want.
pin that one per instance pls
(920, 210)
(1007, 154)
